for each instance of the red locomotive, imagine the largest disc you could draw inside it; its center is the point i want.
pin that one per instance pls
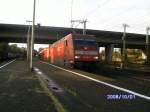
(72, 50)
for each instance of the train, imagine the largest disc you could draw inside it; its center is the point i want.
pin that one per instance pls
(73, 50)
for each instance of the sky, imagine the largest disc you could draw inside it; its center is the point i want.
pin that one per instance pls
(106, 15)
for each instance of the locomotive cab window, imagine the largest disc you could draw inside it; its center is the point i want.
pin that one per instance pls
(85, 42)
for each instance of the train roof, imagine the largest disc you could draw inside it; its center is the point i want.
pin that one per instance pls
(83, 35)
(43, 50)
(79, 36)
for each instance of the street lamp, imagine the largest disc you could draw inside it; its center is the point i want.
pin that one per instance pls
(32, 37)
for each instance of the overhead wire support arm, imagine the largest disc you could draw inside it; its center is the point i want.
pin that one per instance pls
(82, 22)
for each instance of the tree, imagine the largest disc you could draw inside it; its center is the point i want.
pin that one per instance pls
(3, 50)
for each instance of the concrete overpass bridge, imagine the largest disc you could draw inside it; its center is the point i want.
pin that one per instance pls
(47, 34)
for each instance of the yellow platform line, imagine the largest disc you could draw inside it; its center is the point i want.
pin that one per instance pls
(59, 107)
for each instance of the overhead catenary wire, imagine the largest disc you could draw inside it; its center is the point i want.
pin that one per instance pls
(72, 1)
(119, 16)
(133, 26)
(95, 9)
(114, 19)
(89, 13)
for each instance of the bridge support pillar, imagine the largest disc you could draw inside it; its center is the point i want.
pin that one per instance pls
(124, 58)
(148, 58)
(147, 52)
(109, 53)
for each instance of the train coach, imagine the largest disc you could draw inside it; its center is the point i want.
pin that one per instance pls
(45, 54)
(72, 50)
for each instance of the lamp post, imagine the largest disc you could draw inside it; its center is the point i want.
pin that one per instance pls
(32, 37)
(28, 40)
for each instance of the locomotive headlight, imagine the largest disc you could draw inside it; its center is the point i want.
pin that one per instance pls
(77, 57)
(96, 57)
(71, 61)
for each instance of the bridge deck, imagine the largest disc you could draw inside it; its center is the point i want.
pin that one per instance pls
(48, 34)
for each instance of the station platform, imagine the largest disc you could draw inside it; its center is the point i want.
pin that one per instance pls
(20, 90)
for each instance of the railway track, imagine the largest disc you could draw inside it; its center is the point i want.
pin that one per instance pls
(114, 73)
(124, 77)
(91, 89)
(141, 79)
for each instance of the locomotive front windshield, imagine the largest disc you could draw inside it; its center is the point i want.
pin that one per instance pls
(86, 47)
(85, 42)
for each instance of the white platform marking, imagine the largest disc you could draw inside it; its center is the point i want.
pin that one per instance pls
(7, 64)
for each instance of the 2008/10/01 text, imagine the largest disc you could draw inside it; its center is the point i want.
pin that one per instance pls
(120, 97)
